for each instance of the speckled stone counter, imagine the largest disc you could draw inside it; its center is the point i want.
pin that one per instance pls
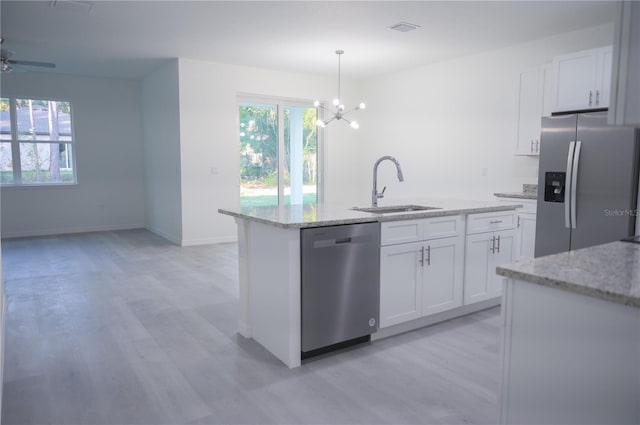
(529, 191)
(610, 272)
(317, 215)
(519, 195)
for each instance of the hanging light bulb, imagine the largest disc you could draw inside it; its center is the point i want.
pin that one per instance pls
(340, 108)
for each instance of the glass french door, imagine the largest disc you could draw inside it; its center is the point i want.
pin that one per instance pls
(278, 153)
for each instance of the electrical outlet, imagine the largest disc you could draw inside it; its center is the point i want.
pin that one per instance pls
(485, 172)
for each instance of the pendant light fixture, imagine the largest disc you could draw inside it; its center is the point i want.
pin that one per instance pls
(340, 110)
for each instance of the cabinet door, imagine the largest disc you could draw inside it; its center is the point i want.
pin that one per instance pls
(442, 275)
(529, 112)
(476, 265)
(525, 236)
(546, 76)
(603, 87)
(503, 253)
(400, 283)
(575, 77)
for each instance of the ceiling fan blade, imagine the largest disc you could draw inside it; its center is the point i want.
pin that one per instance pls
(31, 63)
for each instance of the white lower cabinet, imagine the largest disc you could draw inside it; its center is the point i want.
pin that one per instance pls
(424, 277)
(400, 283)
(525, 236)
(525, 241)
(442, 275)
(436, 274)
(420, 278)
(484, 251)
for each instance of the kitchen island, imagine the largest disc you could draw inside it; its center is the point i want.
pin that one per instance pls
(269, 246)
(571, 349)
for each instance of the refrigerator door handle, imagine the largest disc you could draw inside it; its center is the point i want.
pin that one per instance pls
(574, 183)
(567, 216)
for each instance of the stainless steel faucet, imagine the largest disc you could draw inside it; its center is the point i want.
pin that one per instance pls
(374, 193)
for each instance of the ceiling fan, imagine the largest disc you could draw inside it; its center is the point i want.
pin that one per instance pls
(7, 65)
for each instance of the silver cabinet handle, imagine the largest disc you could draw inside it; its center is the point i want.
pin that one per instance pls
(531, 147)
(590, 97)
(537, 145)
(567, 184)
(574, 184)
(493, 245)
(597, 97)
(422, 256)
(518, 222)
(428, 255)
(495, 221)
(498, 244)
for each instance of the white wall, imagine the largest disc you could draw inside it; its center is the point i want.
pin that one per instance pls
(209, 145)
(446, 122)
(107, 130)
(161, 141)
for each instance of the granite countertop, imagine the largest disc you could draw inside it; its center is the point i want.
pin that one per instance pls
(317, 215)
(529, 191)
(610, 271)
(520, 195)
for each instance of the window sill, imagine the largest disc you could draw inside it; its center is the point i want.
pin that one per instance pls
(36, 185)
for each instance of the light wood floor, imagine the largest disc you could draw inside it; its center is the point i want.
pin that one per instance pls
(124, 327)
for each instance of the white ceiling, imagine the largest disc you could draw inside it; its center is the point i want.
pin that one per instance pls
(128, 39)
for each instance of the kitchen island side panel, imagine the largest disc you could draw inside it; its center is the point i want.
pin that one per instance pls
(568, 358)
(273, 260)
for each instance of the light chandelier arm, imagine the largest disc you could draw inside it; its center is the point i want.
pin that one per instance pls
(357, 108)
(340, 109)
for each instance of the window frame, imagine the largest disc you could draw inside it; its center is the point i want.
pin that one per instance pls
(15, 144)
(281, 103)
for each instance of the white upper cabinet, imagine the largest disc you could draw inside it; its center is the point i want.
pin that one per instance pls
(625, 99)
(582, 80)
(534, 102)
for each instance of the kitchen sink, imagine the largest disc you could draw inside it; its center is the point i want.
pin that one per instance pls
(394, 209)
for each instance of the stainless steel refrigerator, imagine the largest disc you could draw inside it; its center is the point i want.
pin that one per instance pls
(587, 182)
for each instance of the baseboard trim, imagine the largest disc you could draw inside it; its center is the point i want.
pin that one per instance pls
(162, 234)
(69, 230)
(435, 318)
(209, 241)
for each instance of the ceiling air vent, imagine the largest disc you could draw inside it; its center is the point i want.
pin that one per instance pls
(404, 27)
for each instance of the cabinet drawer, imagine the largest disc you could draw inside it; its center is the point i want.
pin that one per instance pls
(404, 231)
(443, 227)
(487, 222)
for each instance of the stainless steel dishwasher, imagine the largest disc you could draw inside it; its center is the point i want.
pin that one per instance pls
(340, 285)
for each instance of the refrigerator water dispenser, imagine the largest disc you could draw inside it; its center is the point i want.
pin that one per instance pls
(554, 185)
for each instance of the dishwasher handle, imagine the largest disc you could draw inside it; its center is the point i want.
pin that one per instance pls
(332, 242)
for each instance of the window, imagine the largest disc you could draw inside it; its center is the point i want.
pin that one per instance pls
(278, 153)
(36, 142)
